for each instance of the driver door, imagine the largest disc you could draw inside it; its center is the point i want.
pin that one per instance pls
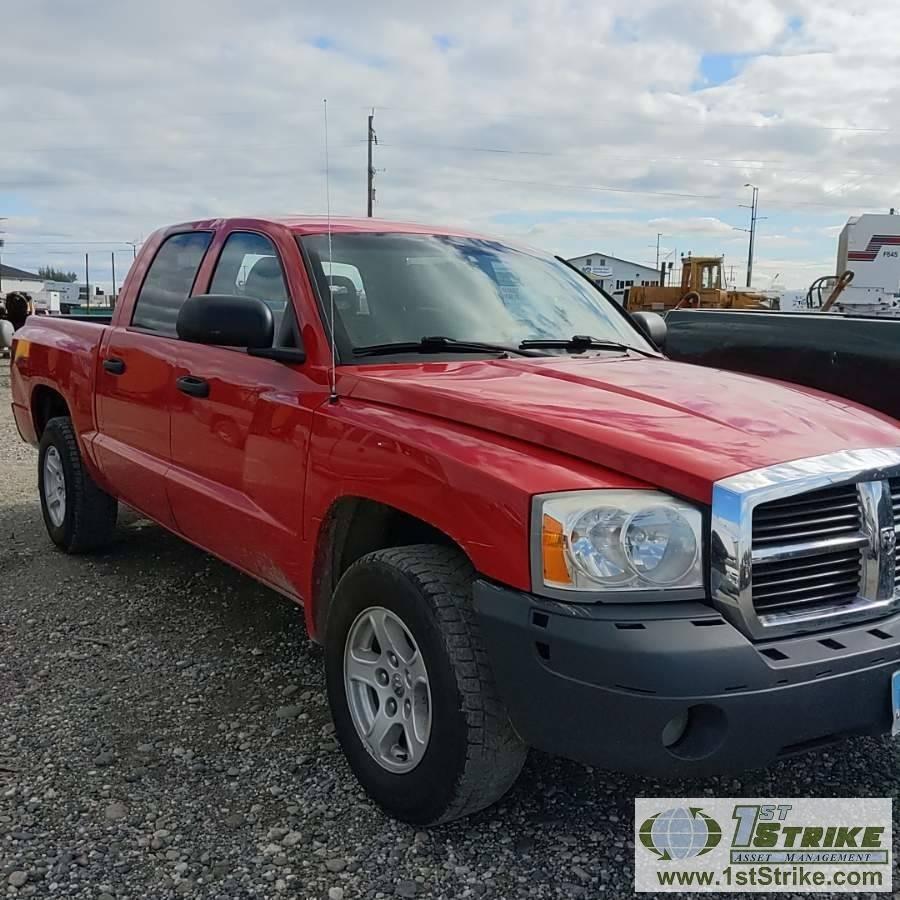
(239, 445)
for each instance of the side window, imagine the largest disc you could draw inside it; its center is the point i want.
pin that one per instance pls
(249, 266)
(169, 281)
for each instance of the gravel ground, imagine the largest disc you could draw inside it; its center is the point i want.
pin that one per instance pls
(164, 733)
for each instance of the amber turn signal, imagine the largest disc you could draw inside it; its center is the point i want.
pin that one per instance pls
(553, 545)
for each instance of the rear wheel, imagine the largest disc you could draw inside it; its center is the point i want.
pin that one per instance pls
(411, 688)
(78, 515)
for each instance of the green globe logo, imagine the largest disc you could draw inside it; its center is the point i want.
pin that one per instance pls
(680, 833)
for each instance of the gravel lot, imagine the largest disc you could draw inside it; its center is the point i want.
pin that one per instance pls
(164, 733)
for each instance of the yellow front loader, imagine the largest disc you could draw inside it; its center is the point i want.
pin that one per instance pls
(701, 287)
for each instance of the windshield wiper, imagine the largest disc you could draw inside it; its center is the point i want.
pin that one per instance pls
(439, 344)
(578, 343)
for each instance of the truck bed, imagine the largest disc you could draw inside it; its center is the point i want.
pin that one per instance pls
(60, 353)
(853, 357)
(99, 318)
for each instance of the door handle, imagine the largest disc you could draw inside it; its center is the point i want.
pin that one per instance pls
(114, 365)
(195, 387)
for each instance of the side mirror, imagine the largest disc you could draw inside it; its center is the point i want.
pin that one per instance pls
(226, 320)
(653, 325)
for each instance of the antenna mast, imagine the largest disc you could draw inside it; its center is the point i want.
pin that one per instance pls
(332, 381)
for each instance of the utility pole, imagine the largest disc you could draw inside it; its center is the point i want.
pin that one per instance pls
(87, 285)
(658, 236)
(2, 219)
(112, 256)
(370, 170)
(670, 267)
(753, 217)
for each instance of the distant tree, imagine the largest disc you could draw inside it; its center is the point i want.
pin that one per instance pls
(51, 274)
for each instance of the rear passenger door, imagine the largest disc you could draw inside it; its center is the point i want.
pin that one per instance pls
(135, 379)
(239, 452)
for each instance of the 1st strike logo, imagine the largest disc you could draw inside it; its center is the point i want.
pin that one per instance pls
(767, 836)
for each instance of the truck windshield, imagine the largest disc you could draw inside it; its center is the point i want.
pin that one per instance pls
(393, 288)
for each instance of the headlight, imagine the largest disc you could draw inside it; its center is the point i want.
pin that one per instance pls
(617, 541)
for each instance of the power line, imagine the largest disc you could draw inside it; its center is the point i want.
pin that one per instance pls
(468, 176)
(758, 164)
(738, 163)
(592, 187)
(49, 243)
(803, 127)
(662, 120)
(708, 123)
(466, 149)
(190, 145)
(104, 148)
(716, 162)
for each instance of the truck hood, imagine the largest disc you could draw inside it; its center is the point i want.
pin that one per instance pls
(678, 426)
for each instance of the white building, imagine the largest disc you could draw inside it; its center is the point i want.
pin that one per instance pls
(50, 296)
(13, 279)
(615, 275)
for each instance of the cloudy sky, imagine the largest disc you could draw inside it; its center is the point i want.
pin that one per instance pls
(572, 126)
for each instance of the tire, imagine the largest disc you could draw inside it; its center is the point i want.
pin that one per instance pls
(88, 515)
(472, 756)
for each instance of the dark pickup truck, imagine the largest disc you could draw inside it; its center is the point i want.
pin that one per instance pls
(853, 357)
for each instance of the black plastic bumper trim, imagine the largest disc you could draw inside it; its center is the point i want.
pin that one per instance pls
(599, 683)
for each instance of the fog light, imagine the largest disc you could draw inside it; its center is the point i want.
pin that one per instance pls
(674, 729)
(696, 733)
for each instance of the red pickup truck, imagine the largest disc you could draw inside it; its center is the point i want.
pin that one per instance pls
(510, 519)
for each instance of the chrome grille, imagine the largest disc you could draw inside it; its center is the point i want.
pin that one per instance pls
(829, 575)
(791, 584)
(807, 544)
(807, 517)
(895, 499)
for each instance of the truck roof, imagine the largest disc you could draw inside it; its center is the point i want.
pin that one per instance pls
(318, 224)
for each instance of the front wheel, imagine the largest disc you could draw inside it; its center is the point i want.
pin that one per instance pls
(78, 515)
(411, 689)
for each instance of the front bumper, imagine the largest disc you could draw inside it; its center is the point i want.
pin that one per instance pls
(614, 685)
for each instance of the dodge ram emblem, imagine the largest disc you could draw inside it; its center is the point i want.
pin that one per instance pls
(888, 540)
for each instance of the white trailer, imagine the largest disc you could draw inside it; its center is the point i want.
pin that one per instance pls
(46, 301)
(869, 246)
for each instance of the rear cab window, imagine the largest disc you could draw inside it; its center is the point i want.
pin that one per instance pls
(169, 282)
